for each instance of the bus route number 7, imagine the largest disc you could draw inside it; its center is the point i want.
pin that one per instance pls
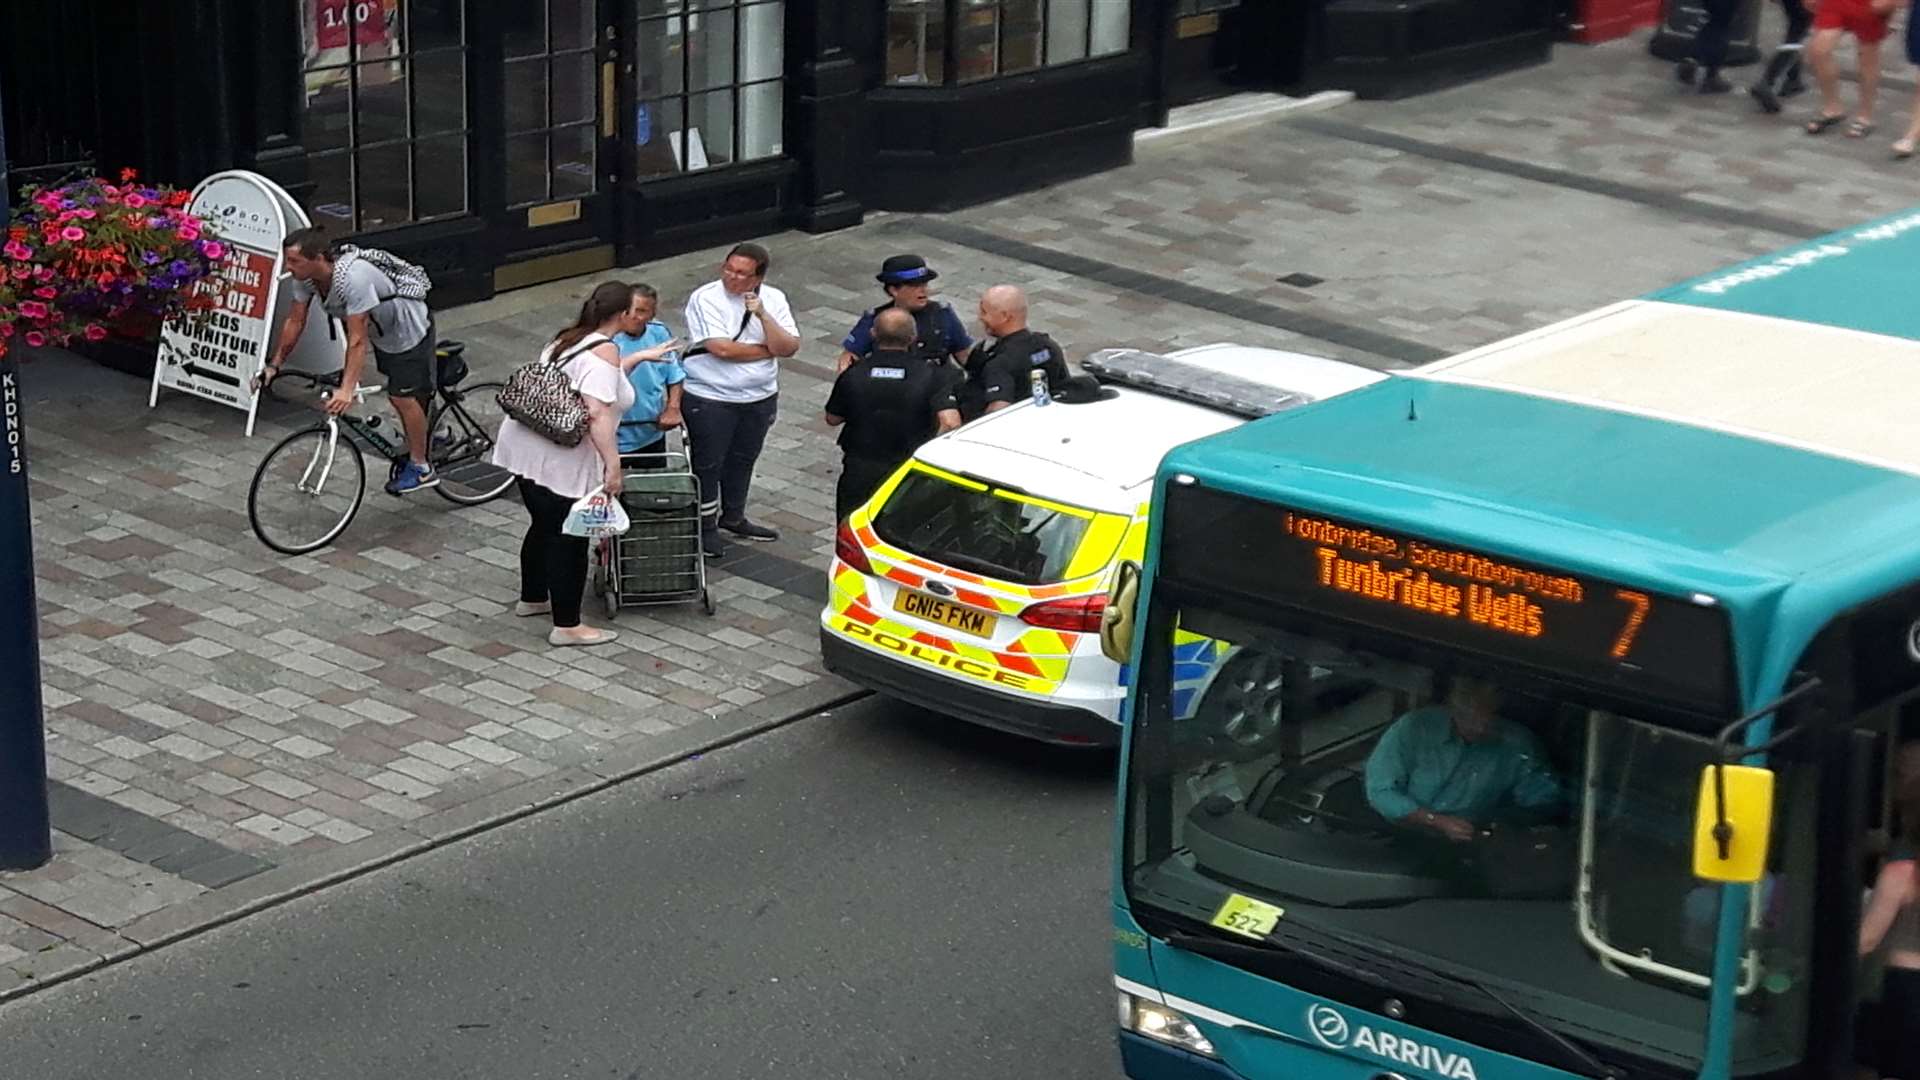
(1637, 605)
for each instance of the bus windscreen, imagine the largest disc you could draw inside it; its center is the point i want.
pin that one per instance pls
(1620, 636)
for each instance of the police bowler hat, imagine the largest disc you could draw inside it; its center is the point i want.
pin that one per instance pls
(904, 270)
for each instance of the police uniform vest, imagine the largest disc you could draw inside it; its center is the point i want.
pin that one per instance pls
(930, 340)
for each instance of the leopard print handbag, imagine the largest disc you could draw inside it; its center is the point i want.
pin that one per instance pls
(540, 396)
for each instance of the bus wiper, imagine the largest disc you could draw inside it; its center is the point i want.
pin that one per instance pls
(1573, 1050)
(1592, 1065)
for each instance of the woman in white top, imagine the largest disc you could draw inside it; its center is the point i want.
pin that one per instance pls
(553, 565)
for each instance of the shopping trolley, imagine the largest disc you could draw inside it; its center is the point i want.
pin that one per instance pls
(659, 559)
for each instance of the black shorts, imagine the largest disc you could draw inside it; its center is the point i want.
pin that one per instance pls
(409, 374)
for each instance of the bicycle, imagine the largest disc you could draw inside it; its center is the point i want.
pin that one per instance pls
(311, 483)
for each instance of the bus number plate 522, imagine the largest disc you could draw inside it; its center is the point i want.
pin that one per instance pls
(1247, 917)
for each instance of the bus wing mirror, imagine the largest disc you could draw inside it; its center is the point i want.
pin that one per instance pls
(1116, 622)
(1733, 823)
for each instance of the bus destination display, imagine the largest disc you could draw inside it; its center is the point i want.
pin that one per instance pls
(1446, 593)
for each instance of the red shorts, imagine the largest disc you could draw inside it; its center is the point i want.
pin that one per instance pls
(1856, 17)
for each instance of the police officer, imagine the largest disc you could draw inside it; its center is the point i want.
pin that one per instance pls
(885, 405)
(1001, 373)
(939, 334)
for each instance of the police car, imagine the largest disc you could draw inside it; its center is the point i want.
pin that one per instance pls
(973, 582)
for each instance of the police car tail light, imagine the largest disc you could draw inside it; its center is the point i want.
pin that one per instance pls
(846, 548)
(1079, 614)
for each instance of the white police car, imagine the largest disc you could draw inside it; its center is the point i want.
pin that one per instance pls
(973, 582)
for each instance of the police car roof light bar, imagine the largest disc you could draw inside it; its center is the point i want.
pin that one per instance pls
(1167, 376)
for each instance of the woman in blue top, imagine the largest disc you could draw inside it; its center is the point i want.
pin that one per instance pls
(656, 382)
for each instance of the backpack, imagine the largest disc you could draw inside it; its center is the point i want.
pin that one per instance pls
(410, 282)
(540, 396)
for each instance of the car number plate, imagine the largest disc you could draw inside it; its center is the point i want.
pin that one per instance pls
(947, 614)
(1247, 917)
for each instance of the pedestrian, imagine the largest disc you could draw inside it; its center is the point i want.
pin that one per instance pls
(940, 333)
(1904, 145)
(1890, 925)
(1000, 374)
(653, 367)
(885, 405)
(1709, 49)
(551, 477)
(381, 299)
(1867, 21)
(1783, 76)
(741, 328)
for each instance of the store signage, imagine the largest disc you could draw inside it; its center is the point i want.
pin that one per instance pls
(219, 359)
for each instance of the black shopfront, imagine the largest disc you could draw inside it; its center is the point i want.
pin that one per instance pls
(508, 142)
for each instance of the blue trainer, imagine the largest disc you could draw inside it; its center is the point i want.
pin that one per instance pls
(412, 477)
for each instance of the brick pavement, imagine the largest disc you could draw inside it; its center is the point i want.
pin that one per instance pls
(226, 726)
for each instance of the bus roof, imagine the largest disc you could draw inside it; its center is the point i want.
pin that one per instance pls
(1753, 435)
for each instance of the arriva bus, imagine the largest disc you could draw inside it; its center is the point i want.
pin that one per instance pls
(1530, 714)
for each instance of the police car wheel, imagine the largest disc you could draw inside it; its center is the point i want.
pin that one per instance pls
(1243, 706)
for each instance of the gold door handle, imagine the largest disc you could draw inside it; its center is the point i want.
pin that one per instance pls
(608, 121)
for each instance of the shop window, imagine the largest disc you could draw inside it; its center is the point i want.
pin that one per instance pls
(552, 101)
(982, 39)
(709, 85)
(386, 127)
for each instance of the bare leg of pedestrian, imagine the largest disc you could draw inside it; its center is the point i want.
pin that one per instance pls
(1862, 125)
(1903, 146)
(1827, 78)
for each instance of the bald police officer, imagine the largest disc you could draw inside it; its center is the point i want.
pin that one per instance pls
(885, 405)
(1002, 373)
(939, 332)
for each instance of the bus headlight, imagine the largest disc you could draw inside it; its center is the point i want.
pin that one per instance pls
(1161, 1024)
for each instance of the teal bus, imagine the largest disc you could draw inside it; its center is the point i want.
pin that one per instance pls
(1534, 713)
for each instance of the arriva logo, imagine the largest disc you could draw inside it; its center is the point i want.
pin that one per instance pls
(1332, 1029)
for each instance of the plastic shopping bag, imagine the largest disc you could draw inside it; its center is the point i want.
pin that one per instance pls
(596, 516)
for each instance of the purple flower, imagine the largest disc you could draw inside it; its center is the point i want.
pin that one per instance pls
(179, 268)
(150, 258)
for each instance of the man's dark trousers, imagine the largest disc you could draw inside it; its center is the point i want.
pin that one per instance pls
(727, 438)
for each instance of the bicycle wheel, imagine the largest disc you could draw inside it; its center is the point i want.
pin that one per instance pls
(460, 437)
(307, 490)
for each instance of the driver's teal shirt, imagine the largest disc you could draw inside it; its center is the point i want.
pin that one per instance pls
(1421, 763)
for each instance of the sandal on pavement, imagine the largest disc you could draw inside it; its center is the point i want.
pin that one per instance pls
(579, 635)
(525, 610)
(1859, 129)
(1902, 149)
(1819, 124)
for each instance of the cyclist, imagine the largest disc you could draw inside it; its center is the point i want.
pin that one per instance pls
(382, 301)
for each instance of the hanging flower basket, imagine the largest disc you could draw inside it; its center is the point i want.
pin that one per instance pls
(86, 258)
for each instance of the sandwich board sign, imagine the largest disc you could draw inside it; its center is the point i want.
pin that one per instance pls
(219, 360)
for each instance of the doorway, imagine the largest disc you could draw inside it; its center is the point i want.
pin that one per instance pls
(1206, 49)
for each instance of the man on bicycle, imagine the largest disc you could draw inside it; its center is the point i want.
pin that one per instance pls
(382, 300)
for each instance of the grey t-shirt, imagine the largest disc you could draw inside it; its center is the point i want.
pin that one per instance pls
(394, 324)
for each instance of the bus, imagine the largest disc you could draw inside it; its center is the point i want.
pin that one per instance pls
(1533, 713)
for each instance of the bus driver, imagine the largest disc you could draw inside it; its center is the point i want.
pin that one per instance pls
(1457, 767)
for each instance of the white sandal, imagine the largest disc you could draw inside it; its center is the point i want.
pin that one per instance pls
(579, 636)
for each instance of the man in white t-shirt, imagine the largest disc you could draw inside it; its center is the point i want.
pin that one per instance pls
(398, 329)
(740, 329)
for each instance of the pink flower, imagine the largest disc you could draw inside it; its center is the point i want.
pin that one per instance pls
(35, 338)
(33, 309)
(135, 202)
(189, 232)
(84, 215)
(73, 234)
(17, 250)
(46, 292)
(40, 273)
(96, 332)
(213, 249)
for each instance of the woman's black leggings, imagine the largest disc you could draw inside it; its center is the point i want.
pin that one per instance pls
(553, 565)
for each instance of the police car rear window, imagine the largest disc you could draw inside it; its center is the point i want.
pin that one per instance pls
(985, 531)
